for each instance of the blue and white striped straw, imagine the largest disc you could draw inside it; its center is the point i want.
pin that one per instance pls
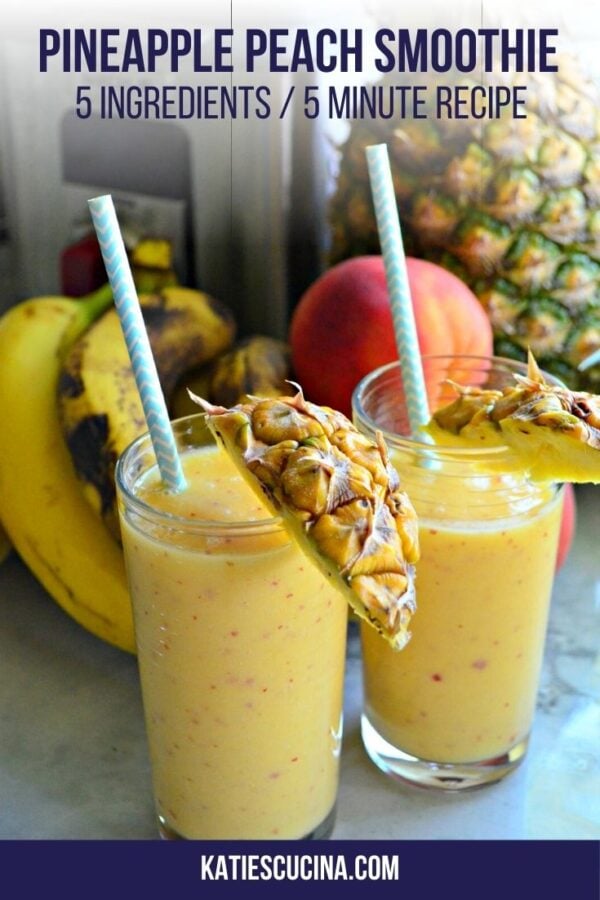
(128, 307)
(392, 250)
(590, 361)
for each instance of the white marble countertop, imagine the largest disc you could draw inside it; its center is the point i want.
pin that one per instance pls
(73, 761)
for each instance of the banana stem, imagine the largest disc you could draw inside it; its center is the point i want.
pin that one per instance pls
(87, 310)
(95, 303)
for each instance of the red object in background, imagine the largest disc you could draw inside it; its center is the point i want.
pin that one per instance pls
(567, 526)
(81, 268)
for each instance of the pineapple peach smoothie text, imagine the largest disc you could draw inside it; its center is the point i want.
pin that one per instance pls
(241, 648)
(464, 688)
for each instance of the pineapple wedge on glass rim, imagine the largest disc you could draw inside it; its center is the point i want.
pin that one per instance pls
(553, 431)
(338, 495)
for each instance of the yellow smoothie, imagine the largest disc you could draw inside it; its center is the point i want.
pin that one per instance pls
(241, 647)
(464, 688)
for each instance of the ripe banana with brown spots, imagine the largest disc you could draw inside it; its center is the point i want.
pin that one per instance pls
(258, 366)
(98, 404)
(45, 515)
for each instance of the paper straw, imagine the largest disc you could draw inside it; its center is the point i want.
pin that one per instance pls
(128, 307)
(392, 249)
(590, 361)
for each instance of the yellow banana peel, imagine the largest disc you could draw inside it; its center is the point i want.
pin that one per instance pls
(257, 365)
(98, 403)
(56, 532)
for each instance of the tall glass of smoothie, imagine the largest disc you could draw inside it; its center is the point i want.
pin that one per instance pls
(241, 647)
(454, 709)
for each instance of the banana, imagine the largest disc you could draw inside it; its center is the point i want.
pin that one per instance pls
(152, 253)
(152, 265)
(54, 530)
(257, 365)
(98, 403)
(198, 381)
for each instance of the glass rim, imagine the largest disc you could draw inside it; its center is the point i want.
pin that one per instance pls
(183, 524)
(392, 438)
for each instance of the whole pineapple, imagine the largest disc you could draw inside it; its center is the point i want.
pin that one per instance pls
(512, 206)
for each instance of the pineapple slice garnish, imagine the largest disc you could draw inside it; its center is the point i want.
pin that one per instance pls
(338, 496)
(554, 432)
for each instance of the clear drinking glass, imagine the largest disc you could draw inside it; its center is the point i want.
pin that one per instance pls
(241, 649)
(454, 708)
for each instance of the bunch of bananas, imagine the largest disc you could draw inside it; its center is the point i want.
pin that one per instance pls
(257, 365)
(69, 406)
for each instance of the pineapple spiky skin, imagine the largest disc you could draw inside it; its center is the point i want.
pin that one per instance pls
(554, 431)
(338, 495)
(512, 206)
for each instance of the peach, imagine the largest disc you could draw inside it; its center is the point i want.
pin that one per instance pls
(342, 326)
